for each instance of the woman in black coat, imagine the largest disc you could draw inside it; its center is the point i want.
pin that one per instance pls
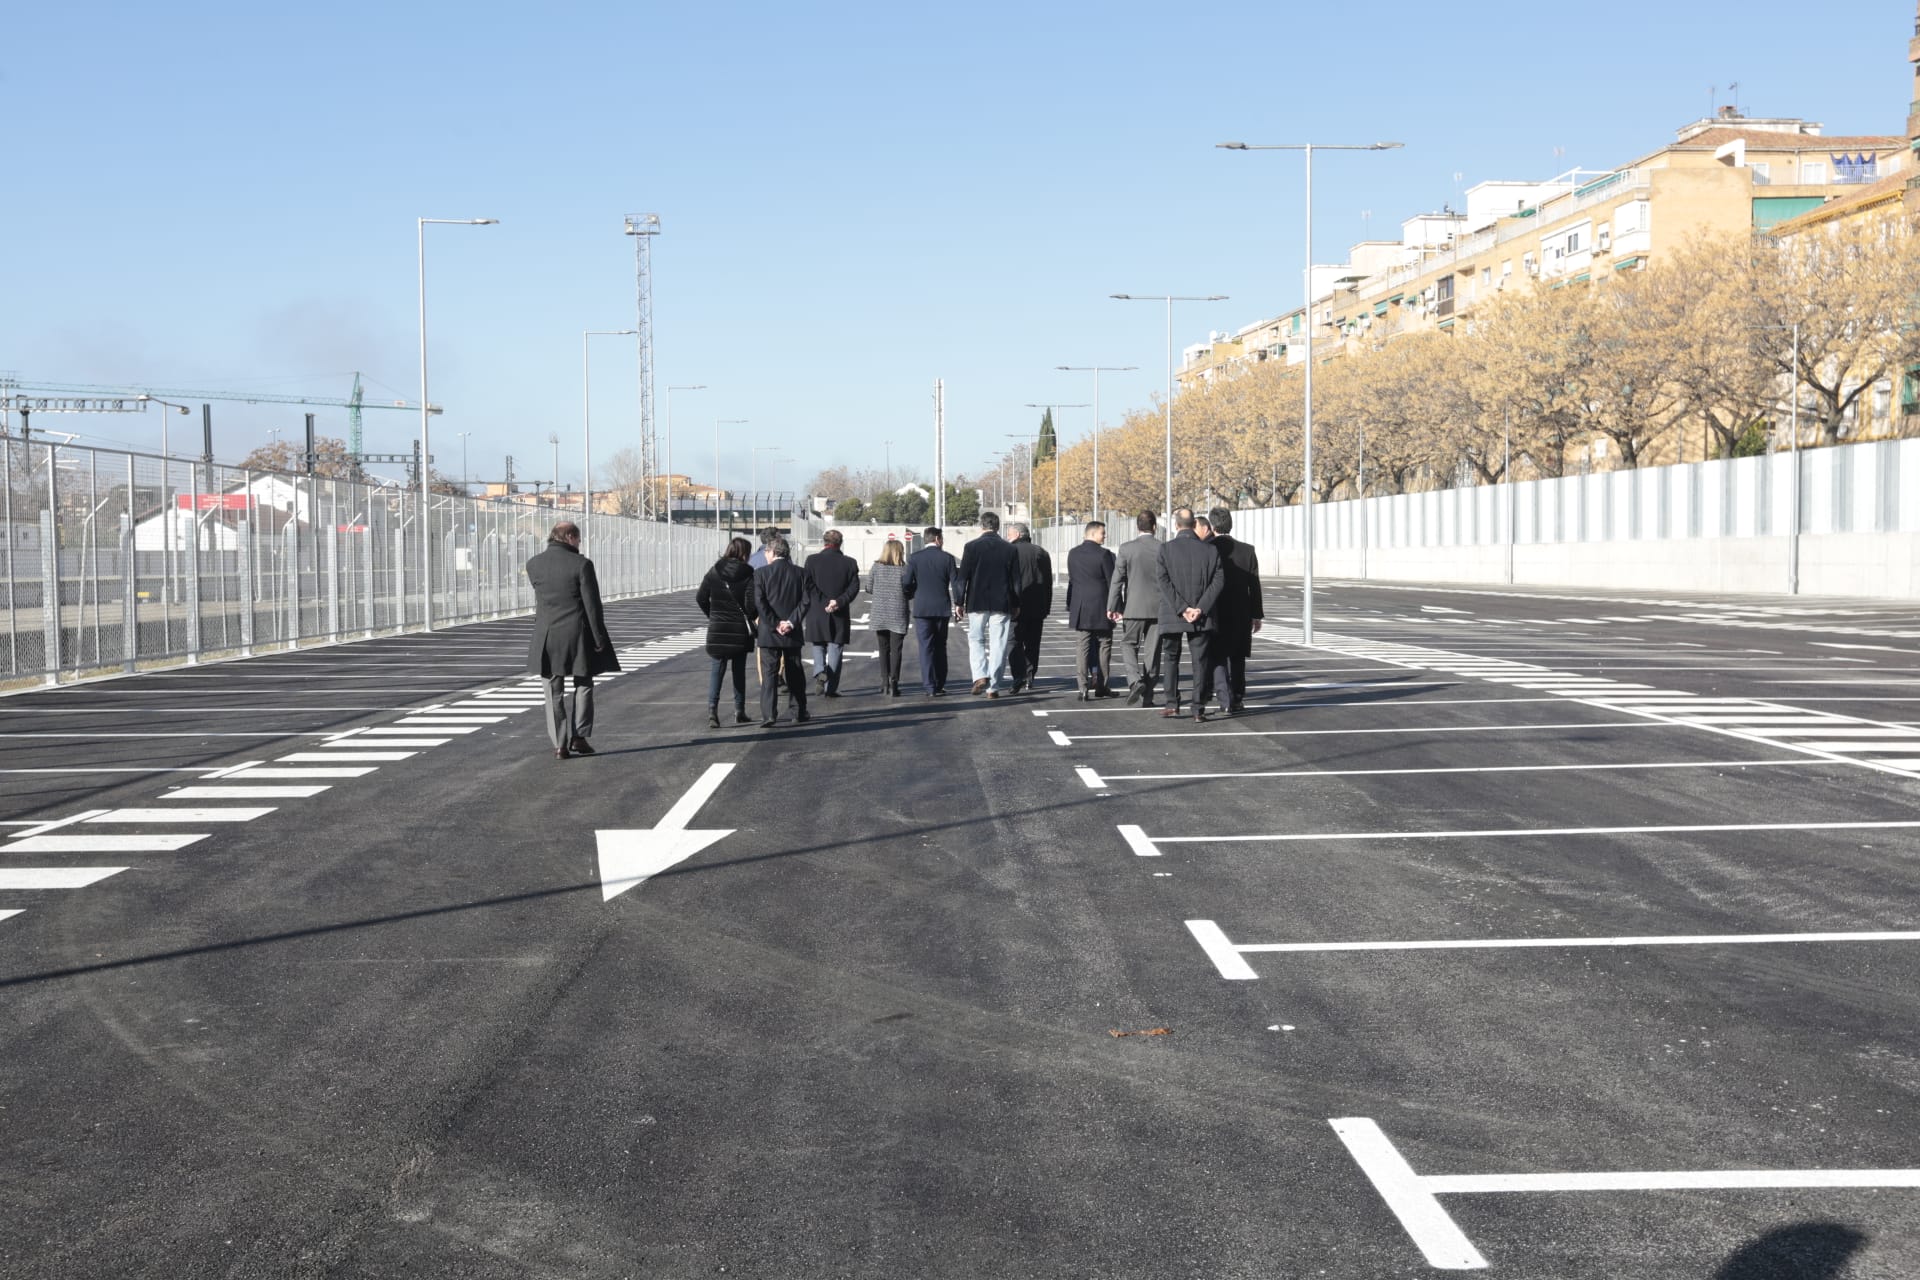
(726, 597)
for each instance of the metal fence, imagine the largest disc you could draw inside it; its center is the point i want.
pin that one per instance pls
(119, 561)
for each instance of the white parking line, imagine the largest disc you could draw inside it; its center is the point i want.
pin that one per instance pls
(1412, 1196)
(1226, 954)
(105, 844)
(54, 877)
(243, 793)
(129, 817)
(1502, 832)
(1799, 761)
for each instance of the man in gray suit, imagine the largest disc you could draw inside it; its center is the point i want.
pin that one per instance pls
(569, 638)
(1133, 600)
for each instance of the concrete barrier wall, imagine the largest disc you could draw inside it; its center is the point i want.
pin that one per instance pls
(1704, 526)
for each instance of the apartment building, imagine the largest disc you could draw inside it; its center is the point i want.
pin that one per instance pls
(1723, 174)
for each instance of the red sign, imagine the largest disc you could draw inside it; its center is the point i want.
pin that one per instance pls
(213, 501)
(351, 528)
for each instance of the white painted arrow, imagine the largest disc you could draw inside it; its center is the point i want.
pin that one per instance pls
(629, 858)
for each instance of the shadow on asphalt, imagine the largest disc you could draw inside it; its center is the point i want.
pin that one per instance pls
(1804, 1251)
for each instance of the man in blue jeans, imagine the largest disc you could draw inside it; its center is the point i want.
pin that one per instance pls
(989, 600)
(932, 587)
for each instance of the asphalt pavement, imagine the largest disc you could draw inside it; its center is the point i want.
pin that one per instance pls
(1560, 935)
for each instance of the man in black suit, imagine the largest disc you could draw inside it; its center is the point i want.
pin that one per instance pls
(1242, 605)
(932, 586)
(1089, 578)
(989, 597)
(1190, 586)
(1036, 602)
(569, 638)
(833, 580)
(780, 598)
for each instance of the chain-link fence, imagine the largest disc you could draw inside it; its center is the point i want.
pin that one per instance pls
(120, 561)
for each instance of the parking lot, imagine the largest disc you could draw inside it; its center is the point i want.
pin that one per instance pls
(1555, 937)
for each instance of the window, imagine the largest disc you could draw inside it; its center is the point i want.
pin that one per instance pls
(1573, 242)
(1813, 173)
(1762, 173)
(1445, 289)
(1633, 217)
(1605, 237)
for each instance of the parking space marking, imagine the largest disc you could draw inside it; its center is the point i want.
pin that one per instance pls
(1064, 740)
(1803, 762)
(54, 877)
(127, 817)
(160, 843)
(1226, 954)
(1412, 1197)
(217, 792)
(1496, 833)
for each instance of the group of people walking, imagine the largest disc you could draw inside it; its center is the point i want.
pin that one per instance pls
(1196, 595)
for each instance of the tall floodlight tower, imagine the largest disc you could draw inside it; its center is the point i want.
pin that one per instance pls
(643, 227)
(940, 453)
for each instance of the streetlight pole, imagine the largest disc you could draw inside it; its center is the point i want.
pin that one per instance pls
(426, 412)
(463, 460)
(586, 429)
(717, 424)
(691, 386)
(1096, 370)
(553, 438)
(1306, 573)
(1056, 451)
(1169, 299)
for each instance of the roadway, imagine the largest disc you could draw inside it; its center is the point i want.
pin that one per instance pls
(1559, 935)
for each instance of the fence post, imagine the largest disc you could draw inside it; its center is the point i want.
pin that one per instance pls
(333, 580)
(293, 584)
(50, 587)
(367, 549)
(244, 559)
(129, 600)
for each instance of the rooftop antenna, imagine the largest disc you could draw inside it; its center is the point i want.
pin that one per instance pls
(1734, 89)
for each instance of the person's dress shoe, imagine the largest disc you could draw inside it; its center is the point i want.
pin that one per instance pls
(993, 693)
(740, 716)
(713, 719)
(1199, 715)
(979, 687)
(1104, 692)
(801, 716)
(580, 747)
(561, 753)
(1170, 711)
(769, 722)
(1135, 693)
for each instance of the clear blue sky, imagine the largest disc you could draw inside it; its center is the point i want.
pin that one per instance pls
(858, 198)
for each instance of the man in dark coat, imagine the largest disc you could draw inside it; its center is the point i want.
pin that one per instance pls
(1089, 579)
(989, 596)
(781, 603)
(1190, 586)
(569, 638)
(1036, 602)
(833, 580)
(1242, 605)
(932, 586)
(1134, 601)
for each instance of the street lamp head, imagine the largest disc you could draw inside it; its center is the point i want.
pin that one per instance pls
(1388, 146)
(1124, 297)
(1231, 146)
(483, 222)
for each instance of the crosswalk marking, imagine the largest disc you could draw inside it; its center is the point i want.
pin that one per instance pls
(217, 792)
